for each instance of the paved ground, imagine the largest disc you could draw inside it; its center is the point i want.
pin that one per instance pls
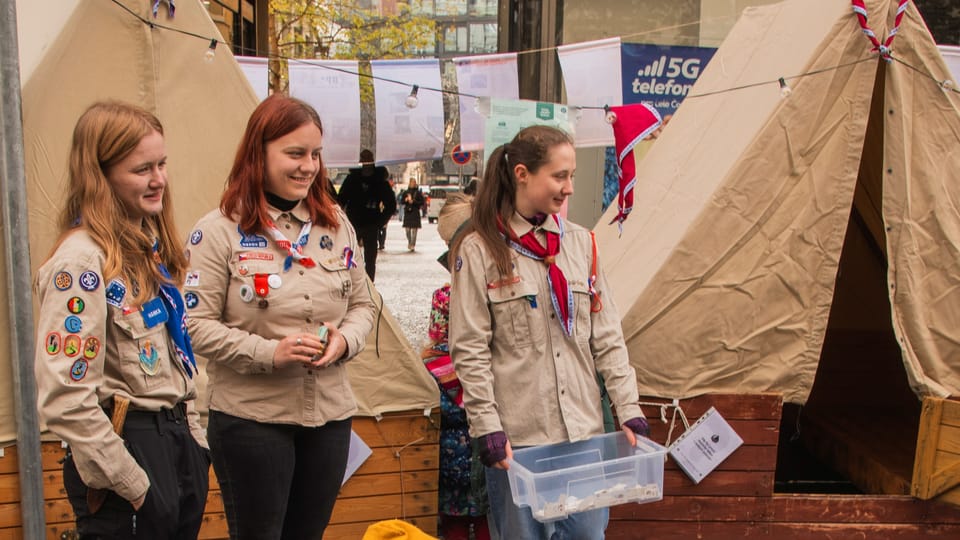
(407, 279)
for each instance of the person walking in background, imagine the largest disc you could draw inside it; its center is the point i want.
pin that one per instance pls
(114, 363)
(369, 202)
(462, 490)
(382, 233)
(278, 305)
(532, 323)
(413, 201)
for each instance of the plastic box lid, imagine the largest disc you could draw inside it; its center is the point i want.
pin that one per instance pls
(557, 480)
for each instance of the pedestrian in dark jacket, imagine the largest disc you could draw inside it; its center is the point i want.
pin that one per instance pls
(368, 200)
(413, 201)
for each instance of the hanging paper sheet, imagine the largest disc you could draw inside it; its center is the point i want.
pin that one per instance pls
(257, 72)
(332, 87)
(404, 133)
(490, 75)
(591, 75)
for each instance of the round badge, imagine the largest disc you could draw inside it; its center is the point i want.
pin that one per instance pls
(71, 345)
(73, 324)
(459, 264)
(263, 304)
(274, 281)
(75, 305)
(89, 281)
(191, 300)
(242, 269)
(53, 343)
(196, 237)
(62, 281)
(79, 370)
(246, 293)
(91, 348)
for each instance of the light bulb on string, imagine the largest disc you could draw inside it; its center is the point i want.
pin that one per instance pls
(785, 89)
(947, 85)
(610, 117)
(412, 100)
(211, 52)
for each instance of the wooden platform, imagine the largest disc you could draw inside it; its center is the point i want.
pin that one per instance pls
(398, 481)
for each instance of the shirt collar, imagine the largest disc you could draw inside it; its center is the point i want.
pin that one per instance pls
(521, 226)
(299, 211)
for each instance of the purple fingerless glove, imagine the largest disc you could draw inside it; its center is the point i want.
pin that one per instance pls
(493, 448)
(639, 426)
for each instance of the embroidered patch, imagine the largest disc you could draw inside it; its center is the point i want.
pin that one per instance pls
(255, 256)
(53, 343)
(196, 237)
(191, 300)
(149, 358)
(78, 370)
(91, 348)
(115, 293)
(71, 345)
(459, 264)
(62, 281)
(89, 281)
(326, 242)
(73, 324)
(251, 240)
(75, 305)
(193, 279)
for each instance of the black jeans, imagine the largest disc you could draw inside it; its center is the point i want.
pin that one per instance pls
(178, 469)
(278, 481)
(367, 234)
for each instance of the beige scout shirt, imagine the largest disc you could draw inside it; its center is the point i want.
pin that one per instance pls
(520, 373)
(238, 336)
(91, 346)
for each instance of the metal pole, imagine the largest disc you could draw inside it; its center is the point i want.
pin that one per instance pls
(17, 257)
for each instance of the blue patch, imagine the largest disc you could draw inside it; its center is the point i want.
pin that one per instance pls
(89, 281)
(191, 299)
(196, 237)
(154, 312)
(115, 293)
(79, 370)
(73, 324)
(251, 240)
(459, 264)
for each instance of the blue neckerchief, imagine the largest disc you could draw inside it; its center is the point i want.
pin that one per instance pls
(177, 321)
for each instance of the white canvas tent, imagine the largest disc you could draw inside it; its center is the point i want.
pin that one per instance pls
(102, 51)
(724, 274)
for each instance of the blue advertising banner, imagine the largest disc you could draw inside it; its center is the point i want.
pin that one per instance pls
(660, 75)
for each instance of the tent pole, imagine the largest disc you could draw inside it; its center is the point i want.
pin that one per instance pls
(17, 270)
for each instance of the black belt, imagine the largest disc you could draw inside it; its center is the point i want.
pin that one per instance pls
(175, 414)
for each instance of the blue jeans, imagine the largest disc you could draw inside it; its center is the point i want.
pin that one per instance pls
(516, 523)
(278, 481)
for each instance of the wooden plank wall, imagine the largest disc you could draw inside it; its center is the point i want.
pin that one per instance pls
(937, 465)
(737, 500)
(398, 481)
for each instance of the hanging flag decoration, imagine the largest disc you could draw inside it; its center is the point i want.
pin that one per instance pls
(592, 78)
(489, 75)
(884, 48)
(631, 124)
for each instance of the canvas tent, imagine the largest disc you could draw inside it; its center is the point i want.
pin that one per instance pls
(725, 272)
(102, 51)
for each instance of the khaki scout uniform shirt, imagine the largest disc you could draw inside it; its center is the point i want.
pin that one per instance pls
(520, 373)
(91, 345)
(238, 336)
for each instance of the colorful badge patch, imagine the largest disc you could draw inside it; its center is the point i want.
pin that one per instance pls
(71, 345)
(326, 242)
(243, 270)
(251, 240)
(53, 343)
(191, 300)
(78, 370)
(62, 281)
(89, 281)
(459, 264)
(73, 324)
(193, 279)
(149, 358)
(196, 237)
(91, 348)
(255, 256)
(75, 305)
(115, 293)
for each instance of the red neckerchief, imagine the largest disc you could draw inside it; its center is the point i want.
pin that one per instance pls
(529, 246)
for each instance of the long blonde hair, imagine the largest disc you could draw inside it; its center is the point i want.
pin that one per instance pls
(105, 134)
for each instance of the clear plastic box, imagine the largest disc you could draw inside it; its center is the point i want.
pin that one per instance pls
(557, 480)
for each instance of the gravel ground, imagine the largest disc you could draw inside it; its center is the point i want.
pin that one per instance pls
(407, 279)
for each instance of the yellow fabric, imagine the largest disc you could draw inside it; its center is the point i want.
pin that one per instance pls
(395, 529)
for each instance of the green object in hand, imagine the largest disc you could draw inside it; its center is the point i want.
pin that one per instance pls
(322, 334)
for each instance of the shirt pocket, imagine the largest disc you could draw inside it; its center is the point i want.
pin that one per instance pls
(340, 284)
(517, 320)
(582, 322)
(143, 352)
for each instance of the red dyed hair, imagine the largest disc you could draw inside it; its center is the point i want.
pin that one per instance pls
(243, 199)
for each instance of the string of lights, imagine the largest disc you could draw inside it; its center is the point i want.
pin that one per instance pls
(412, 99)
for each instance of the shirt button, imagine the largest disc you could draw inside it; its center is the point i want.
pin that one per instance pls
(287, 225)
(301, 272)
(552, 316)
(306, 297)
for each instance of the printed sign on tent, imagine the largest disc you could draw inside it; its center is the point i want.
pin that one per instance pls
(332, 87)
(591, 75)
(659, 75)
(489, 75)
(257, 70)
(409, 120)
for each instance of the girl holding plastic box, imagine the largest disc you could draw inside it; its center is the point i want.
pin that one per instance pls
(532, 323)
